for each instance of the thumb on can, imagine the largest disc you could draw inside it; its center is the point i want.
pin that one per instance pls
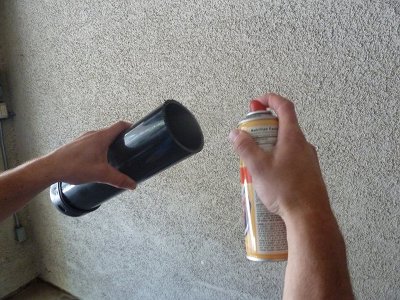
(246, 147)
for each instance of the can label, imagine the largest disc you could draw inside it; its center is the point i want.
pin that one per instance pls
(265, 232)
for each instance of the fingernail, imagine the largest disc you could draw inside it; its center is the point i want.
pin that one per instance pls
(132, 185)
(234, 134)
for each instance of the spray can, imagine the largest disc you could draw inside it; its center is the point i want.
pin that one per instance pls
(265, 232)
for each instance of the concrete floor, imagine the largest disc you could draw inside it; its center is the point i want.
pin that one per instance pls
(75, 66)
(40, 290)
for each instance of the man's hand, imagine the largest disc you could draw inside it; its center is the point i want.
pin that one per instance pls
(85, 159)
(288, 177)
(289, 182)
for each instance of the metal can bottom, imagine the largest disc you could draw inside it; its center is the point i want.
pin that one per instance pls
(270, 258)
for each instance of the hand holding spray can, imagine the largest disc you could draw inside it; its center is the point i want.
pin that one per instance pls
(265, 232)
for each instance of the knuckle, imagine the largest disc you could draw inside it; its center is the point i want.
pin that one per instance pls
(287, 105)
(295, 137)
(87, 133)
(118, 125)
(121, 123)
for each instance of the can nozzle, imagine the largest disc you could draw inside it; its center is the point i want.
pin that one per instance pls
(257, 106)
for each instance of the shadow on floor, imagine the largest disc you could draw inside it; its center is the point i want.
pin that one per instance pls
(40, 290)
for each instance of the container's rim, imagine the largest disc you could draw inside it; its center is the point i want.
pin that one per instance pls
(63, 205)
(173, 135)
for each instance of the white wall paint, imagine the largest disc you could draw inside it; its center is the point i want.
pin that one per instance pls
(78, 65)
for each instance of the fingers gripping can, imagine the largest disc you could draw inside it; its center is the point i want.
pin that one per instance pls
(265, 232)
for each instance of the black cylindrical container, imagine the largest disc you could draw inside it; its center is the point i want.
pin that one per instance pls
(164, 137)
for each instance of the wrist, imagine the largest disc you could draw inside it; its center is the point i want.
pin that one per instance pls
(49, 167)
(317, 216)
(316, 226)
(305, 209)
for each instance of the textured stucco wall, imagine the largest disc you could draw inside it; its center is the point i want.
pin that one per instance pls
(17, 260)
(79, 65)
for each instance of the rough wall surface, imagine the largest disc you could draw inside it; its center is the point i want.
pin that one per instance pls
(79, 65)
